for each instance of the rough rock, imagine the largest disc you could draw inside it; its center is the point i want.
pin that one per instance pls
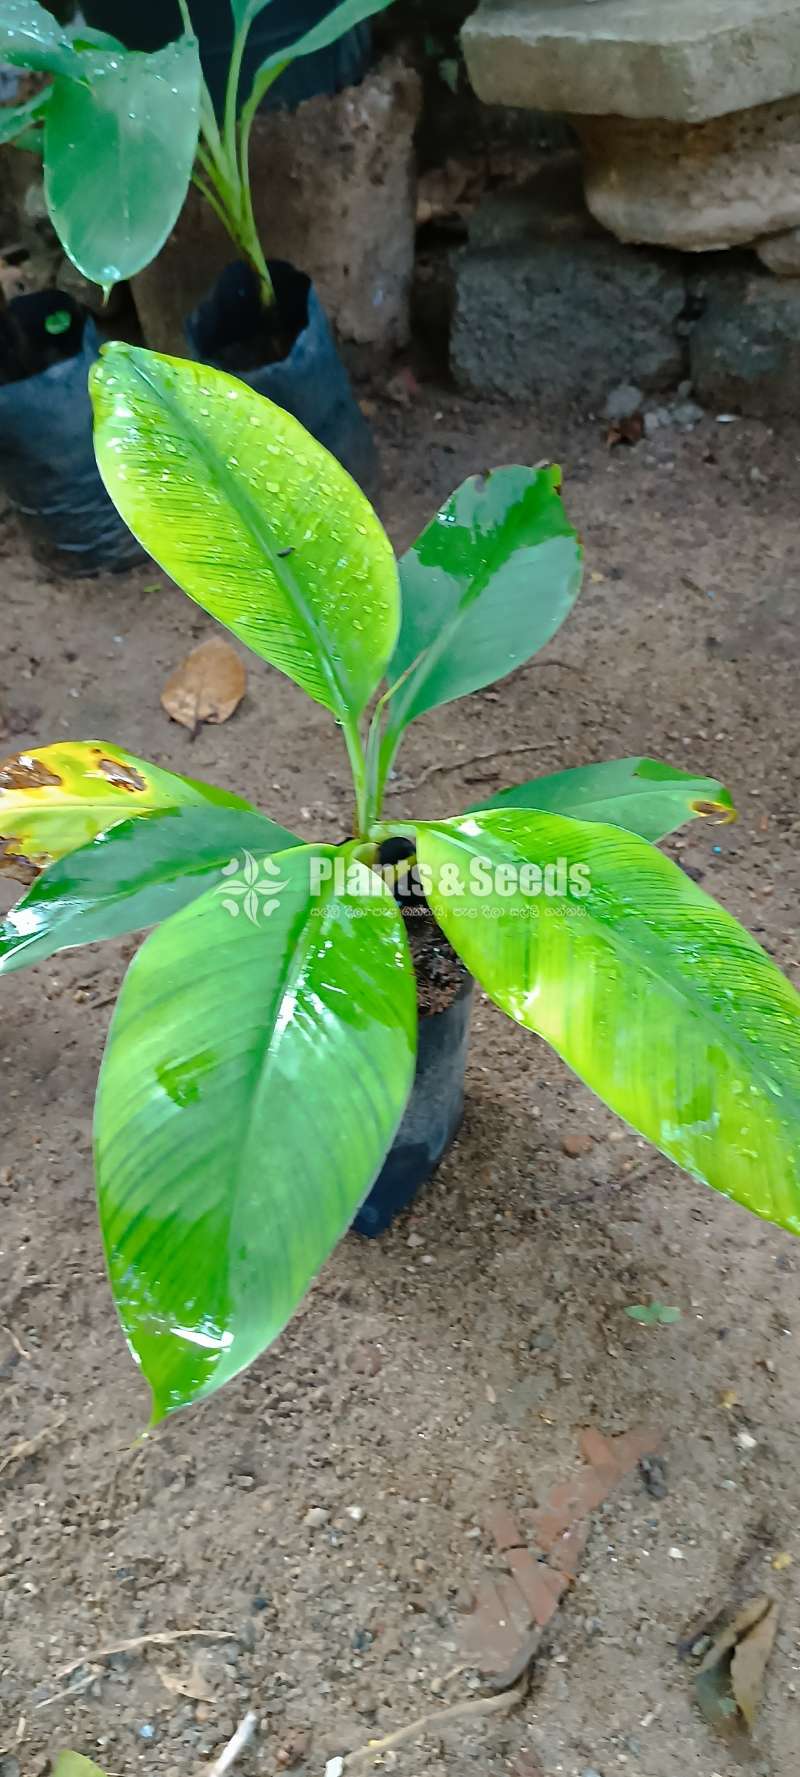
(550, 205)
(696, 187)
(333, 191)
(566, 320)
(745, 348)
(682, 59)
(780, 253)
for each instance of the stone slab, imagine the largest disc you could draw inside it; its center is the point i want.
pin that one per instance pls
(686, 60)
(564, 321)
(696, 187)
(780, 253)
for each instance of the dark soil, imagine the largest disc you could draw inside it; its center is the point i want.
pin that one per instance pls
(323, 1515)
(440, 972)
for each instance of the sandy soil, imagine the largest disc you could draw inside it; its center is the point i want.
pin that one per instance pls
(452, 1364)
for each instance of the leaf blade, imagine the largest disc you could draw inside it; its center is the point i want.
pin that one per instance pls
(56, 798)
(16, 119)
(300, 568)
(488, 582)
(215, 1231)
(30, 37)
(119, 147)
(132, 876)
(652, 993)
(641, 795)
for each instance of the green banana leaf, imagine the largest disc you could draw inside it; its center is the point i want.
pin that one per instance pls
(53, 799)
(489, 581)
(340, 19)
(654, 994)
(120, 142)
(253, 518)
(133, 876)
(641, 795)
(30, 37)
(257, 1068)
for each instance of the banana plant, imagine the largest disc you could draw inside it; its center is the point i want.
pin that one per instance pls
(124, 133)
(275, 1001)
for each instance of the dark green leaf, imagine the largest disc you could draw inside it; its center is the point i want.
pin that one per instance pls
(133, 876)
(484, 587)
(120, 143)
(641, 795)
(258, 1065)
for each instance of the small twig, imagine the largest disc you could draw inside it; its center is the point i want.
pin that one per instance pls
(17, 1343)
(236, 1744)
(159, 1638)
(473, 759)
(30, 1447)
(74, 1690)
(434, 1719)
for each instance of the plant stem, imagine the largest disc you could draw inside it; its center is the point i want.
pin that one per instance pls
(355, 753)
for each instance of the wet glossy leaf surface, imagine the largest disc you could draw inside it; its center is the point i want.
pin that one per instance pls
(120, 142)
(133, 876)
(486, 585)
(258, 1066)
(257, 523)
(53, 799)
(30, 37)
(654, 994)
(642, 795)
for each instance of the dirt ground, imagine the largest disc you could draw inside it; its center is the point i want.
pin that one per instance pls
(452, 1364)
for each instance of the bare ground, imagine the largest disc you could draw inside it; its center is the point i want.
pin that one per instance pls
(452, 1363)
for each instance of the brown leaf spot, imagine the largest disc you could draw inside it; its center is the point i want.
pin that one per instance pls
(714, 811)
(23, 772)
(123, 777)
(14, 864)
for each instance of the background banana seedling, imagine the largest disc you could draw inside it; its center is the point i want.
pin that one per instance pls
(123, 133)
(277, 997)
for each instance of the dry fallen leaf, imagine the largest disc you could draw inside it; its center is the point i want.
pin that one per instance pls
(193, 1686)
(729, 1683)
(749, 1664)
(207, 686)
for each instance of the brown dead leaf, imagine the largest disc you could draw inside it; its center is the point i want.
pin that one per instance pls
(749, 1663)
(191, 1685)
(207, 686)
(729, 1682)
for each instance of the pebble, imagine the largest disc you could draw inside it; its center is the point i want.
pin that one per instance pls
(687, 413)
(623, 402)
(147, 1731)
(746, 1441)
(591, 1772)
(316, 1517)
(576, 1145)
(357, 1513)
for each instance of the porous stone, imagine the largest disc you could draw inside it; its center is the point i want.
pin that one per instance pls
(682, 59)
(780, 253)
(566, 320)
(697, 187)
(745, 348)
(333, 187)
